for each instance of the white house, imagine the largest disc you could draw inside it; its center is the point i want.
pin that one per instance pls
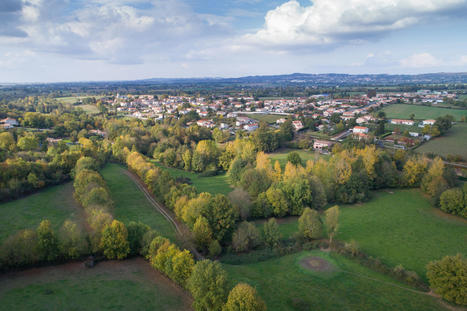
(297, 125)
(402, 122)
(322, 144)
(429, 122)
(8, 123)
(360, 129)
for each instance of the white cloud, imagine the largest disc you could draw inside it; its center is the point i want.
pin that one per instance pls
(463, 60)
(420, 60)
(326, 22)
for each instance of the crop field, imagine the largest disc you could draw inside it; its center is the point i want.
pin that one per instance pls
(130, 204)
(453, 142)
(403, 111)
(281, 156)
(332, 283)
(128, 285)
(402, 227)
(268, 118)
(54, 203)
(212, 184)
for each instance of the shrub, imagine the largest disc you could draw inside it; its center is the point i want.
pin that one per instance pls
(246, 237)
(114, 241)
(243, 297)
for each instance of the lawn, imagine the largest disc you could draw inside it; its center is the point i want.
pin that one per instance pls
(54, 203)
(285, 285)
(453, 142)
(281, 156)
(127, 285)
(403, 111)
(131, 204)
(268, 118)
(212, 184)
(403, 228)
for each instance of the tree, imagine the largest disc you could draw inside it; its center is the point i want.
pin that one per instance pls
(286, 131)
(208, 286)
(182, 266)
(7, 141)
(246, 237)
(278, 201)
(114, 241)
(309, 224)
(271, 233)
(215, 249)
(332, 221)
(202, 233)
(243, 297)
(294, 158)
(47, 241)
(448, 278)
(221, 216)
(72, 240)
(452, 201)
(27, 143)
(136, 231)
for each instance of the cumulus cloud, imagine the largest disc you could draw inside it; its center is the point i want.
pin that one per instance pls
(326, 22)
(420, 60)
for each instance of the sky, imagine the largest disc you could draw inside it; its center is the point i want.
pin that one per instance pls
(94, 40)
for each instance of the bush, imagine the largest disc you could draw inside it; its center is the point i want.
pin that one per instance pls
(20, 249)
(114, 241)
(246, 237)
(243, 297)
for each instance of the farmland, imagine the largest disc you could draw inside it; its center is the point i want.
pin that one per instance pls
(130, 202)
(403, 111)
(212, 184)
(285, 285)
(54, 203)
(129, 285)
(451, 143)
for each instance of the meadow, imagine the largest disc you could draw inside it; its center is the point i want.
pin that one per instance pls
(268, 118)
(130, 204)
(212, 184)
(55, 203)
(111, 285)
(453, 142)
(286, 285)
(403, 111)
(281, 156)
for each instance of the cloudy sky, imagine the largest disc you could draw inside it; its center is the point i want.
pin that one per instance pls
(75, 40)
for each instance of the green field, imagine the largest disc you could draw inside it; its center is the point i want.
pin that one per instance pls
(453, 142)
(212, 184)
(131, 204)
(268, 118)
(128, 285)
(54, 203)
(403, 228)
(403, 111)
(285, 285)
(281, 156)
(91, 109)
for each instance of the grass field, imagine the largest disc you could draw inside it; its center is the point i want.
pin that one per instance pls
(212, 184)
(55, 203)
(403, 111)
(454, 142)
(91, 109)
(281, 156)
(285, 285)
(403, 228)
(268, 118)
(128, 285)
(131, 204)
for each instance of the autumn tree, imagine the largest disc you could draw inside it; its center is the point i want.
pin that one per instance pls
(202, 233)
(72, 240)
(246, 237)
(114, 240)
(47, 241)
(309, 224)
(332, 221)
(221, 216)
(243, 297)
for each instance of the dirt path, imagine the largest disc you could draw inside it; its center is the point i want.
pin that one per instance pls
(182, 231)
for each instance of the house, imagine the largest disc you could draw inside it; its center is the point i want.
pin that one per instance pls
(297, 125)
(250, 127)
(360, 130)
(429, 122)
(414, 134)
(8, 123)
(242, 121)
(281, 120)
(402, 122)
(322, 144)
(206, 123)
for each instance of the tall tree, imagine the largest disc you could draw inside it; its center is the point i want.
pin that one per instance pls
(243, 297)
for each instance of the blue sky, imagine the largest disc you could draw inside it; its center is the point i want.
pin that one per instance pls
(78, 40)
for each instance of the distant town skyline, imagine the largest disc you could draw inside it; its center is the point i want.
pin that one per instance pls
(78, 40)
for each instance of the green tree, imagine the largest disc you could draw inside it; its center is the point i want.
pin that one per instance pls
(278, 201)
(452, 201)
(246, 237)
(72, 240)
(309, 224)
(243, 297)
(47, 241)
(294, 158)
(332, 221)
(136, 231)
(215, 249)
(286, 131)
(221, 216)
(202, 233)
(114, 240)
(7, 141)
(448, 278)
(271, 233)
(27, 143)
(208, 286)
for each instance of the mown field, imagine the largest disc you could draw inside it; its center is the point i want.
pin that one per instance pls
(402, 227)
(281, 156)
(285, 285)
(54, 203)
(128, 285)
(130, 204)
(453, 142)
(212, 184)
(403, 111)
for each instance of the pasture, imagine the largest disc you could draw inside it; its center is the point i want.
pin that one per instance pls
(453, 142)
(286, 284)
(401, 227)
(130, 204)
(111, 285)
(281, 156)
(264, 117)
(55, 203)
(212, 184)
(403, 111)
